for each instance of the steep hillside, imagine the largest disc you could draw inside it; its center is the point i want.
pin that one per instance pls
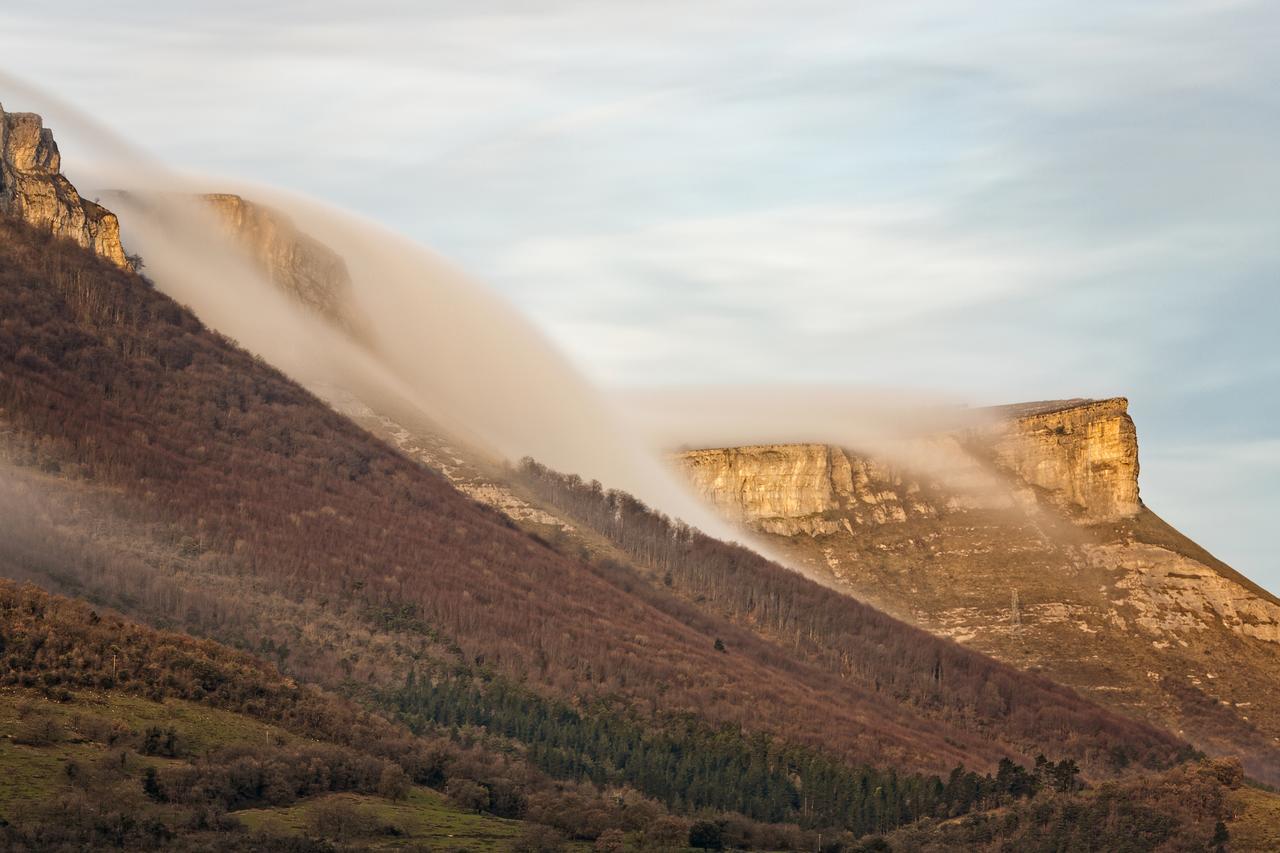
(116, 388)
(108, 381)
(113, 735)
(1062, 570)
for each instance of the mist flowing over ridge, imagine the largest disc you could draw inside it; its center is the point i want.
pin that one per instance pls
(280, 424)
(449, 347)
(443, 343)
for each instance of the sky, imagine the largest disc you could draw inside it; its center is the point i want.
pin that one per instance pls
(998, 201)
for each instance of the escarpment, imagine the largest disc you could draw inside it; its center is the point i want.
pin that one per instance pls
(1033, 545)
(1081, 456)
(33, 189)
(1083, 452)
(812, 489)
(303, 267)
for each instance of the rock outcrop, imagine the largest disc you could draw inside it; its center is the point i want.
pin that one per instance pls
(1083, 452)
(1082, 456)
(1040, 553)
(304, 268)
(32, 188)
(814, 489)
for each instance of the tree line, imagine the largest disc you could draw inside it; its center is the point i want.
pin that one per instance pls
(938, 678)
(692, 767)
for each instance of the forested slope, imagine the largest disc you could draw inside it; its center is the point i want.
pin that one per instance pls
(831, 630)
(108, 385)
(116, 735)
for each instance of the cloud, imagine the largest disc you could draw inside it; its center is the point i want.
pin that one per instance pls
(741, 286)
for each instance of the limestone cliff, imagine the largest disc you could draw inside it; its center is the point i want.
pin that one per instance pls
(303, 267)
(33, 188)
(1081, 455)
(1059, 568)
(814, 489)
(1083, 452)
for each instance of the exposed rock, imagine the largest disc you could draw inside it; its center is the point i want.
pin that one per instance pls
(767, 481)
(788, 489)
(32, 188)
(303, 267)
(1085, 453)
(1170, 593)
(1082, 455)
(1036, 549)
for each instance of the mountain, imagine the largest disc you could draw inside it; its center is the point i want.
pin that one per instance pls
(1038, 550)
(157, 420)
(150, 465)
(112, 384)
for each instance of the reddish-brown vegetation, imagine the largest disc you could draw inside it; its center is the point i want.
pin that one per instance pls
(105, 380)
(69, 651)
(836, 632)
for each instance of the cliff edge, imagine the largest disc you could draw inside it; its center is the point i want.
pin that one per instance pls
(1083, 452)
(33, 189)
(1031, 544)
(304, 268)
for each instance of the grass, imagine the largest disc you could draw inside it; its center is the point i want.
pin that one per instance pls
(424, 816)
(199, 727)
(30, 774)
(1256, 828)
(33, 773)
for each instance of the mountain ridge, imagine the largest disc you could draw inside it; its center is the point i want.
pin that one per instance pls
(1078, 456)
(1064, 553)
(155, 466)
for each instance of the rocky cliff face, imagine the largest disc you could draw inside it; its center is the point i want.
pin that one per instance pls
(32, 188)
(1082, 456)
(306, 269)
(1084, 453)
(812, 489)
(1060, 568)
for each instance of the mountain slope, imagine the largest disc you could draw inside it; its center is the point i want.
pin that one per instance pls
(112, 384)
(1078, 458)
(1062, 570)
(120, 736)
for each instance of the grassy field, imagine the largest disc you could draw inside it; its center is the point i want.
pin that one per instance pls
(1256, 829)
(422, 817)
(81, 732)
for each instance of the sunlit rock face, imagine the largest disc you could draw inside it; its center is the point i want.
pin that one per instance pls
(32, 188)
(1080, 456)
(1085, 454)
(814, 489)
(1035, 548)
(304, 268)
(783, 489)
